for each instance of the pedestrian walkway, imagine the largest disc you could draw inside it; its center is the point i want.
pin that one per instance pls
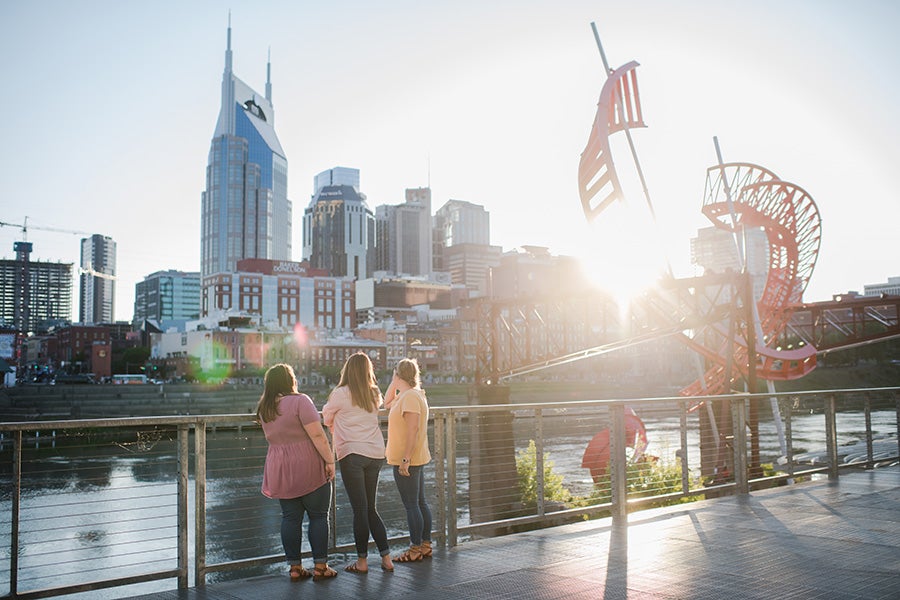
(834, 540)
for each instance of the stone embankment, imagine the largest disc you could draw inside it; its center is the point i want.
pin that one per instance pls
(62, 402)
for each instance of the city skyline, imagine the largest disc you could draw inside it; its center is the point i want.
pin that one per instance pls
(493, 106)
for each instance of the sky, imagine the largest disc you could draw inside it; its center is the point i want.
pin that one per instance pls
(110, 108)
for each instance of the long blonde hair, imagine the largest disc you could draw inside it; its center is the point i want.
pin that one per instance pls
(280, 381)
(358, 375)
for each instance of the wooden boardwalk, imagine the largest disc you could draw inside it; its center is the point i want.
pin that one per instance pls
(819, 539)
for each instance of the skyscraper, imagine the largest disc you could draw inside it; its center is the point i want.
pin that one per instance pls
(33, 294)
(339, 227)
(405, 232)
(97, 280)
(459, 222)
(245, 209)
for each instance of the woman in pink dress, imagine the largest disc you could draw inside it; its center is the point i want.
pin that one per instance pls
(299, 468)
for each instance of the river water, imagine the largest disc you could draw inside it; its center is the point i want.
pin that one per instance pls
(114, 503)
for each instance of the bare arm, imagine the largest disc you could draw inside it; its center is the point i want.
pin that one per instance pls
(320, 441)
(411, 420)
(392, 392)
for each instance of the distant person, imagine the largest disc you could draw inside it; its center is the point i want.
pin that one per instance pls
(299, 468)
(352, 414)
(407, 451)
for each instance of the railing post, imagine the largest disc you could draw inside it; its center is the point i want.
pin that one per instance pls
(618, 468)
(440, 443)
(685, 480)
(870, 459)
(539, 459)
(831, 435)
(200, 504)
(897, 419)
(789, 441)
(739, 425)
(182, 511)
(14, 517)
(451, 481)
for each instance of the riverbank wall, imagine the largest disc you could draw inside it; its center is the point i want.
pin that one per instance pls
(52, 402)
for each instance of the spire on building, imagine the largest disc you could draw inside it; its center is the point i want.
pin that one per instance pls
(269, 76)
(228, 47)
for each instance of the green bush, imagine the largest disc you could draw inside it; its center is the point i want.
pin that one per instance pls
(526, 467)
(646, 477)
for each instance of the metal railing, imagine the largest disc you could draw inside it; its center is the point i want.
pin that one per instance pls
(94, 504)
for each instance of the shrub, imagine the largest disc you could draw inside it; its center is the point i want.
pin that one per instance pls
(526, 467)
(646, 477)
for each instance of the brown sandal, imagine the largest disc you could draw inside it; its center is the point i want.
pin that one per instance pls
(414, 554)
(426, 549)
(323, 571)
(298, 573)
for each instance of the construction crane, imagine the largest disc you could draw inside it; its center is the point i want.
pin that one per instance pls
(24, 227)
(81, 270)
(22, 302)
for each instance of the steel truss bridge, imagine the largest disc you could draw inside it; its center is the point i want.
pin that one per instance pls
(521, 336)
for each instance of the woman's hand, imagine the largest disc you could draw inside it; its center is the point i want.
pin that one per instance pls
(404, 469)
(329, 471)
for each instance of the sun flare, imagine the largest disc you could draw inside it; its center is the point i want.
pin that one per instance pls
(622, 254)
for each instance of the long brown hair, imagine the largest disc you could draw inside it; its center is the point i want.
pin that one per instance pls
(359, 376)
(279, 381)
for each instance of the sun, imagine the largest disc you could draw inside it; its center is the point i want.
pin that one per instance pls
(622, 253)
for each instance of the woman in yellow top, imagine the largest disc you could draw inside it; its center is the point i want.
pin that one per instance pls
(407, 450)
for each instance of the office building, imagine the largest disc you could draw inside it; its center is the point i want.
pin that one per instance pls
(716, 251)
(245, 208)
(459, 222)
(339, 227)
(167, 296)
(470, 265)
(336, 176)
(405, 235)
(282, 294)
(532, 271)
(97, 281)
(34, 295)
(891, 288)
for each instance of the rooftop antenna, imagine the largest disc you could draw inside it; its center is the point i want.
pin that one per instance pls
(269, 76)
(228, 47)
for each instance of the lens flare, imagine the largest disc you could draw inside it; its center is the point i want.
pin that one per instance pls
(300, 337)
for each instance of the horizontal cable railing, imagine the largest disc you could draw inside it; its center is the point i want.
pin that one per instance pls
(93, 504)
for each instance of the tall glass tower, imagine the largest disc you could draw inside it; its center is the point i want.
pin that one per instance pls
(245, 209)
(98, 280)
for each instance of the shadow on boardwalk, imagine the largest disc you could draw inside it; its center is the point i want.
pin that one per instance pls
(812, 540)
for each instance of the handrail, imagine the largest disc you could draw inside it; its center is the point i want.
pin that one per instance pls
(501, 430)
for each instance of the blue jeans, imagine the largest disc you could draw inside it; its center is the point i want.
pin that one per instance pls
(360, 476)
(412, 493)
(316, 504)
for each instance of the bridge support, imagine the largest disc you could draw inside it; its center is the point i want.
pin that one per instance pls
(492, 461)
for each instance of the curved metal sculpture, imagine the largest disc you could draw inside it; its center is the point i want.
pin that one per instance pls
(744, 195)
(618, 109)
